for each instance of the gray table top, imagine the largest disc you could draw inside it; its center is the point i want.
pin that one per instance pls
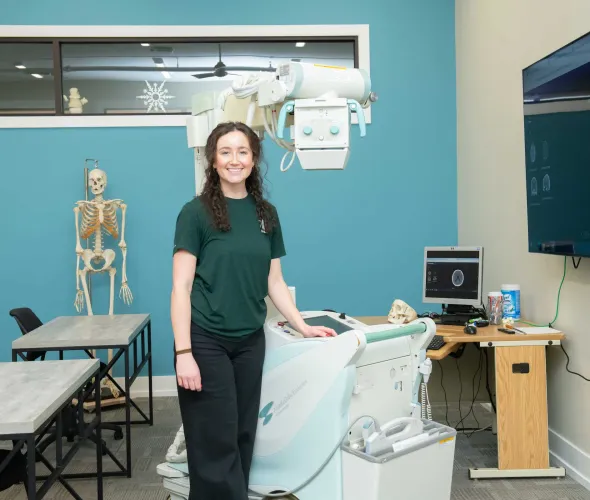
(32, 391)
(84, 332)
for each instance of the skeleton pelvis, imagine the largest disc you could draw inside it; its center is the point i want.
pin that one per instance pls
(107, 257)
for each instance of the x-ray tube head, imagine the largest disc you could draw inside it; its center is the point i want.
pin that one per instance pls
(317, 103)
(311, 81)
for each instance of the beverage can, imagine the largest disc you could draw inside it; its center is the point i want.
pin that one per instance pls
(495, 310)
(511, 301)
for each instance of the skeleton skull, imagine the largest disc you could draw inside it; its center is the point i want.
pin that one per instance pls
(97, 181)
(401, 313)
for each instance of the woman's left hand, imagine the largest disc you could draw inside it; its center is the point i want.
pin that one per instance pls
(318, 331)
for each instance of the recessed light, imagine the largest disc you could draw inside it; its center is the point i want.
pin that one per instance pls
(300, 44)
(36, 75)
(145, 44)
(20, 66)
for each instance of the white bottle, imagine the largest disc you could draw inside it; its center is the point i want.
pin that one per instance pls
(511, 301)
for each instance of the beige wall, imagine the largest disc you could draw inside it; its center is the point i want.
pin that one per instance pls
(495, 40)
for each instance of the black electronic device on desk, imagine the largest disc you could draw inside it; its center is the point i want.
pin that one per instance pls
(436, 343)
(470, 329)
(453, 278)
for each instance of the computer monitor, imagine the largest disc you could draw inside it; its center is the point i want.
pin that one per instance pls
(453, 276)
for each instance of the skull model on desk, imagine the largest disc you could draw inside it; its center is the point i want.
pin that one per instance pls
(401, 313)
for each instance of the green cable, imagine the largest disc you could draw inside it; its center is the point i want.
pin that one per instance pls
(558, 295)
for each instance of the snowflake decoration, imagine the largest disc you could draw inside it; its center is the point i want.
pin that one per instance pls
(155, 97)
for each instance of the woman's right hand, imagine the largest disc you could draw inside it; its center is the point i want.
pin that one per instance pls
(187, 372)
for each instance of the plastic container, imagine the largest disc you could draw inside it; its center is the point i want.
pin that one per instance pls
(415, 469)
(511, 301)
(495, 307)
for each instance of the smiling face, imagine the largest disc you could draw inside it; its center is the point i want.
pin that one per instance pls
(234, 159)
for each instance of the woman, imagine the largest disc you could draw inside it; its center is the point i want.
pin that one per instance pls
(227, 251)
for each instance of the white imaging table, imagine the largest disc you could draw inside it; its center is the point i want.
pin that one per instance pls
(33, 396)
(119, 332)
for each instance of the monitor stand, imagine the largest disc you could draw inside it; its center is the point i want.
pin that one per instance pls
(454, 314)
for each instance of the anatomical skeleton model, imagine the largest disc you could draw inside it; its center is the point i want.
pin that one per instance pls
(94, 219)
(99, 216)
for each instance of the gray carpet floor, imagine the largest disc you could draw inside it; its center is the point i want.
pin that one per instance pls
(149, 445)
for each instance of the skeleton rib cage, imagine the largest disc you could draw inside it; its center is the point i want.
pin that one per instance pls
(96, 217)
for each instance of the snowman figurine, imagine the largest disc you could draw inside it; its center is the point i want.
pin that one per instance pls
(75, 102)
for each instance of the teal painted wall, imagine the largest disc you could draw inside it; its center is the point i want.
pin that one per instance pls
(345, 251)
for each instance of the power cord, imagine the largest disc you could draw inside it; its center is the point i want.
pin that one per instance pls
(460, 392)
(456, 427)
(550, 324)
(474, 392)
(442, 374)
(279, 494)
(576, 265)
(493, 403)
(567, 365)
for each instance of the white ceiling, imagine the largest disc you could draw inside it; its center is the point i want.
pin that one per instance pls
(181, 60)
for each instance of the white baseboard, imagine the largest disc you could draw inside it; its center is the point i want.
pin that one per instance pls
(566, 454)
(163, 386)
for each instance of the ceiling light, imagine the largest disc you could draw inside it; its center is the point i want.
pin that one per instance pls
(36, 75)
(145, 44)
(166, 74)
(300, 44)
(20, 66)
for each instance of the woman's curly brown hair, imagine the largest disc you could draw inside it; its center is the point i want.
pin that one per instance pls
(212, 195)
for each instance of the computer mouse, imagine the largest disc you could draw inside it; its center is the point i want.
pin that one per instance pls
(470, 329)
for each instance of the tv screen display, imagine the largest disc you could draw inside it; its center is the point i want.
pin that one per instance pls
(556, 94)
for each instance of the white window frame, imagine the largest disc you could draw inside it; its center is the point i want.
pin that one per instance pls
(361, 31)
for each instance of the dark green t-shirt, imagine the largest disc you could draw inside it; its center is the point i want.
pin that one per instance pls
(231, 279)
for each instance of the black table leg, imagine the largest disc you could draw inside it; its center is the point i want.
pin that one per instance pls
(128, 411)
(31, 469)
(98, 415)
(150, 374)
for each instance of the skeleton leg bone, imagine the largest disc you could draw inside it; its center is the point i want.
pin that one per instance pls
(83, 273)
(112, 272)
(79, 301)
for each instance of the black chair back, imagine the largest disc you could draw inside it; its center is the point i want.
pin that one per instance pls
(28, 321)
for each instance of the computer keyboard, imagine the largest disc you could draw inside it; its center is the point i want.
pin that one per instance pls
(436, 343)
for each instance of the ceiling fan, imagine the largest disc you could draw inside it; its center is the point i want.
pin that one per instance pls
(221, 70)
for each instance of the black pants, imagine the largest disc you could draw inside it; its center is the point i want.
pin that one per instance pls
(220, 421)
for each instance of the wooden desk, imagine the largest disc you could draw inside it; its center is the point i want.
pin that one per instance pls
(521, 396)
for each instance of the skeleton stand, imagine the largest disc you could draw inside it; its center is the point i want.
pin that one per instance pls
(99, 217)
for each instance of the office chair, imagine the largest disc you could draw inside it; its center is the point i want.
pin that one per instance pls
(15, 471)
(28, 321)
